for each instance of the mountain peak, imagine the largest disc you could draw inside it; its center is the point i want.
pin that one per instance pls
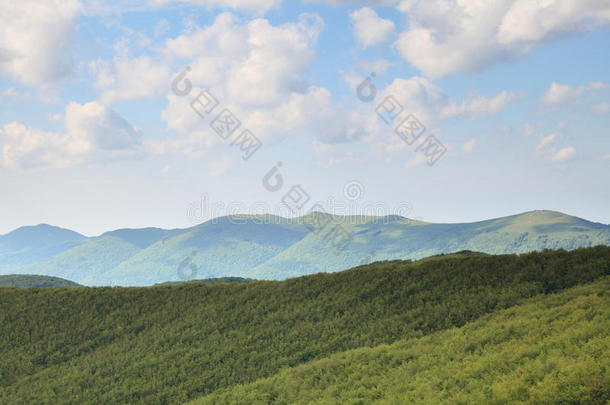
(43, 229)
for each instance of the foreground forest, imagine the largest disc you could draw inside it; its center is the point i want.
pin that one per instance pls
(464, 328)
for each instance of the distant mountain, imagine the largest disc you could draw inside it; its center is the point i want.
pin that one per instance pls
(271, 247)
(28, 280)
(401, 238)
(30, 244)
(96, 256)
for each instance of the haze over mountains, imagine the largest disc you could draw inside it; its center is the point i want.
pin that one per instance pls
(270, 247)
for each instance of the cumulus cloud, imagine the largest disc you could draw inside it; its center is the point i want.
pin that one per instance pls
(426, 100)
(131, 78)
(369, 28)
(93, 132)
(34, 39)
(255, 69)
(445, 38)
(469, 145)
(558, 93)
(251, 6)
(416, 95)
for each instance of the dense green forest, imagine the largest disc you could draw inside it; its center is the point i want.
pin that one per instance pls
(552, 349)
(216, 280)
(171, 344)
(27, 280)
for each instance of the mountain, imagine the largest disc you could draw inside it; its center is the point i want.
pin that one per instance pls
(28, 280)
(395, 237)
(222, 247)
(30, 244)
(276, 248)
(529, 328)
(97, 256)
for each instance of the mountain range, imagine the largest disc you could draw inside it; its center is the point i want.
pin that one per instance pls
(276, 248)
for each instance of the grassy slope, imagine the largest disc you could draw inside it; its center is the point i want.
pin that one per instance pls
(171, 344)
(550, 349)
(97, 256)
(222, 247)
(27, 280)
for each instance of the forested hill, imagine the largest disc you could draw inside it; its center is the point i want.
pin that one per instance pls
(29, 280)
(172, 344)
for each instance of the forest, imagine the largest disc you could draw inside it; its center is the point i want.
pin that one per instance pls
(195, 341)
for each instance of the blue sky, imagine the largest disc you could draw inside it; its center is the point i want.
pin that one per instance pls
(93, 138)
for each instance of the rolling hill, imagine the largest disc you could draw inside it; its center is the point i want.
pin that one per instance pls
(28, 280)
(276, 248)
(549, 349)
(30, 244)
(381, 332)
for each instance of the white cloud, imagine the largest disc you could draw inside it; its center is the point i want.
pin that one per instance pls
(14, 93)
(345, 158)
(128, 79)
(369, 28)
(469, 145)
(421, 97)
(252, 6)
(416, 160)
(457, 36)
(371, 3)
(34, 39)
(530, 129)
(417, 96)
(255, 69)
(602, 107)
(93, 132)
(545, 150)
(563, 154)
(219, 166)
(379, 66)
(480, 106)
(558, 93)
(169, 169)
(546, 141)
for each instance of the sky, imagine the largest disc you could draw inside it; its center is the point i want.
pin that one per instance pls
(166, 113)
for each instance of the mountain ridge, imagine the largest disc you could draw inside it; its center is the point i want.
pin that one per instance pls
(273, 247)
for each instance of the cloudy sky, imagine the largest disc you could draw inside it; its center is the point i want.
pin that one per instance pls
(112, 112)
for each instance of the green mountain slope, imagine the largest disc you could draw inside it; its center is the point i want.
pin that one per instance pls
(400, 238)
(550, 349)
(217, 248)
(168, 345)
(28, 280)
(97, 256)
